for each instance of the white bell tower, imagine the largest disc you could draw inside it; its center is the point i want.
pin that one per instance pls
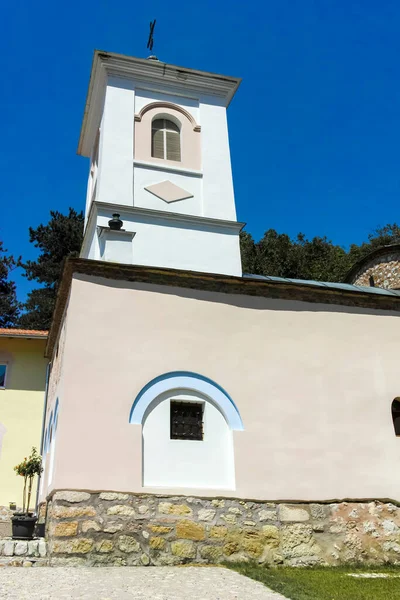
(157, 138)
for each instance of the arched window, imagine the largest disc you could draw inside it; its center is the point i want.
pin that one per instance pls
(165, 140)
(396, 415)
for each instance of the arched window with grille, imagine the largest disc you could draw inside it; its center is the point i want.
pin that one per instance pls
(396, 415)
(165, 140)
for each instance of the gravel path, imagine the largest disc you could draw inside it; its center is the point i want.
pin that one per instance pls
(140, 583)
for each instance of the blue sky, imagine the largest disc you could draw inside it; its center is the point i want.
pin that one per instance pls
(314, 128)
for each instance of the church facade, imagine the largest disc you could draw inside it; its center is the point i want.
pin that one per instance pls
(193, 412)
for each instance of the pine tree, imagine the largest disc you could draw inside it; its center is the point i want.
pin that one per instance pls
(9, 305)
(60, 238)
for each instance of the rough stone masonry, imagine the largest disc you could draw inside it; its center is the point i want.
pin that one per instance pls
(112, 528)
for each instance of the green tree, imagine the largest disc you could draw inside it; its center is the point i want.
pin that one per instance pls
(9, 305)
(381, 236)
(61, 237)
(278, 255)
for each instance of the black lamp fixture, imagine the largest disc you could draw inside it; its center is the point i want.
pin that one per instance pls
(115, 223)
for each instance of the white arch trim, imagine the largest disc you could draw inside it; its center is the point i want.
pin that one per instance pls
(186, 381)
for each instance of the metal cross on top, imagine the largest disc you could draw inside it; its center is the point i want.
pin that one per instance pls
(150, 41)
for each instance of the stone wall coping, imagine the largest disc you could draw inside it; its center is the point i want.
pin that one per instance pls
(144, 493)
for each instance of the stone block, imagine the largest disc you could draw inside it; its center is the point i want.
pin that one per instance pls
(21, 548)
(145, 560)
(65, 529)
(206, 514)
(70, 512)
(293, 513)
(90, 526)
(8, 549)
(218, 531)
(190, 530)
(231, 547)
(113, 527)
(230, 519)
(157, 543)
(42, 548)
(109, 496)
(160, 529)
(128, 544)
(297, 541)
(104, 546)
(167, 508)
(270, 532)
(75, 546)
(33, 548)
(267, 515)
(318, 511)
(121, 510)
(211, 553)
(235, 510)
(218, 502)
(184, 549)
(71, 496)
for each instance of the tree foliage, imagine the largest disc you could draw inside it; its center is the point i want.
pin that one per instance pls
(9, 305)
(60, 238)
(277, 254)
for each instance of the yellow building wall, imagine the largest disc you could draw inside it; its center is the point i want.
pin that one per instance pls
(21, 411)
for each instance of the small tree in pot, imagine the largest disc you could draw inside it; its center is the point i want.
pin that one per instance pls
(23, 524)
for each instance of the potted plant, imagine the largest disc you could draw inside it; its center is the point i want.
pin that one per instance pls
(23, 523)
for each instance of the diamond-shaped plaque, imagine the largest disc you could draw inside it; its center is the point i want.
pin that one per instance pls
(168, 191)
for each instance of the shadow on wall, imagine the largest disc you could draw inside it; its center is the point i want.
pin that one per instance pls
(240, 300)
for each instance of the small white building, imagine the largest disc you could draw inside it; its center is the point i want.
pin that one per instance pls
(187, 402)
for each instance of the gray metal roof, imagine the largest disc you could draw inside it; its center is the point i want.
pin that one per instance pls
(325, 284)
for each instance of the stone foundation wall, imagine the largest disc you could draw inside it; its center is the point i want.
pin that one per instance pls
(126, 529)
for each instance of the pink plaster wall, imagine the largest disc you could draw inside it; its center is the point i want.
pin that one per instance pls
(313, 383)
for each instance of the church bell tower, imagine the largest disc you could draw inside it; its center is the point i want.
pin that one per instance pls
(160, 190)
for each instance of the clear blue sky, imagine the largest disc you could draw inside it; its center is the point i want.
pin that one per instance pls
(314, 128)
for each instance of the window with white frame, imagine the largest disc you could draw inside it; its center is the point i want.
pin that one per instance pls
(3, 375)
(165, 140)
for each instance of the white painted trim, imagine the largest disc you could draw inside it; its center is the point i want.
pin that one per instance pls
(166, 167)
(184, 382)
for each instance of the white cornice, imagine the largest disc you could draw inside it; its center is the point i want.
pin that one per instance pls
(160, 215)
(171, 216)
(145, 70)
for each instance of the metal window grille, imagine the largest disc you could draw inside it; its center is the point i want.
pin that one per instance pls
(186, 421)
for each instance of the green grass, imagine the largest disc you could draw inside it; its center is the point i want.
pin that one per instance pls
(325, 583)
